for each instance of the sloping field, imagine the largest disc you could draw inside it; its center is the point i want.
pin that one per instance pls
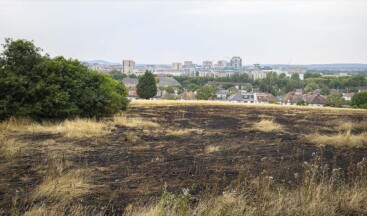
(172, 158)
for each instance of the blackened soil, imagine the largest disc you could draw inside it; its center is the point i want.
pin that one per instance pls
(125, 172)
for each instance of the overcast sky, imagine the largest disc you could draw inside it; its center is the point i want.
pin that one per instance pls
(299, 32)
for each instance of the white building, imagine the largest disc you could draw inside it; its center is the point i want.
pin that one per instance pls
(236, 62)
(128, 66)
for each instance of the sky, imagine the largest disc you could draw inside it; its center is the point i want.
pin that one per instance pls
(162, 32)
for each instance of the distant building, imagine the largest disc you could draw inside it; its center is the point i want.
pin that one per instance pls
(236, 62)
(188, 63)
(130, 82)
(168, 82)
(176, 66)
(259, 74)
(208, 64)
(221, 63)
(128, 66)
(299, 70)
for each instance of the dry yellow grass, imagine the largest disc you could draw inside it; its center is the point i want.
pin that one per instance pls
(311, 198)
(81, 128)
(70, 128)
(63, 188)
(184, 132)
(210, 149)
(267, 126)
(123, 120)
(340, 139)
(62, 210)
(10, 148)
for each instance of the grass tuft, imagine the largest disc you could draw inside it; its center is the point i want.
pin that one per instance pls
(64, 188)
(267, 126)
(184, 132)
(210, 149)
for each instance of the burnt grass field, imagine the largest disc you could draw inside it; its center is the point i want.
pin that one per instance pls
(132, 165)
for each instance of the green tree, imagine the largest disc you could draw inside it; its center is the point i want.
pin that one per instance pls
(325, 90)
(295, 76)
(228, 85)
(311, 86)
(37, 86)
(205, 92)
(147, 87)
(335, 100)
(360, 100)
(312, 75)
(170, 90)
(117, 75)
(132, 76)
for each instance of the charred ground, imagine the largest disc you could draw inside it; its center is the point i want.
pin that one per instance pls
(215, 150)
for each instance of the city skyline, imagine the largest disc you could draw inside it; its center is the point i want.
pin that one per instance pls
(163, 32)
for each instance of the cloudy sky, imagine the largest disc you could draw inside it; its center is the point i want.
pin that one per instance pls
(272, 31)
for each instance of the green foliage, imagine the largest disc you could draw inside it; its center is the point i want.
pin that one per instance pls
(295, 76)
(311, 86)
(117, 75)
(312, 75)
(32, 85)
(132, 76)
(170, 203)
(147, 87)
(171, 97)
(359, 100)
(325, 90)
(335, 100)
(301, 103)
(205, 93)
(170, 90)
(228, 85)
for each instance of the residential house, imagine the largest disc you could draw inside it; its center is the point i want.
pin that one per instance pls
(347, 96)
(187, 95)
(168, 82)
(130, 82)
(222, 94)
(314, 98)
(264, 98)
(238, 98)
(292, 98)
(243, 97)
(132, 93)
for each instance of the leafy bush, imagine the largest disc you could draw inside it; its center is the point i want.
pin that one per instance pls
(205, 93)
(37, 86)
(360, 100)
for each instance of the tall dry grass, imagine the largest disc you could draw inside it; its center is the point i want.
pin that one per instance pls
(346, 139)
(124, 120)
(63, 188)
(343, 135)
(75, 128)
(316, 194)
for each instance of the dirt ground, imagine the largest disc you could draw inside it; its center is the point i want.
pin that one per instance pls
(125, 170)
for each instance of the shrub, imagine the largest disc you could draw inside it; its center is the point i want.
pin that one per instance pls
(360, 100)
(32, 85)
